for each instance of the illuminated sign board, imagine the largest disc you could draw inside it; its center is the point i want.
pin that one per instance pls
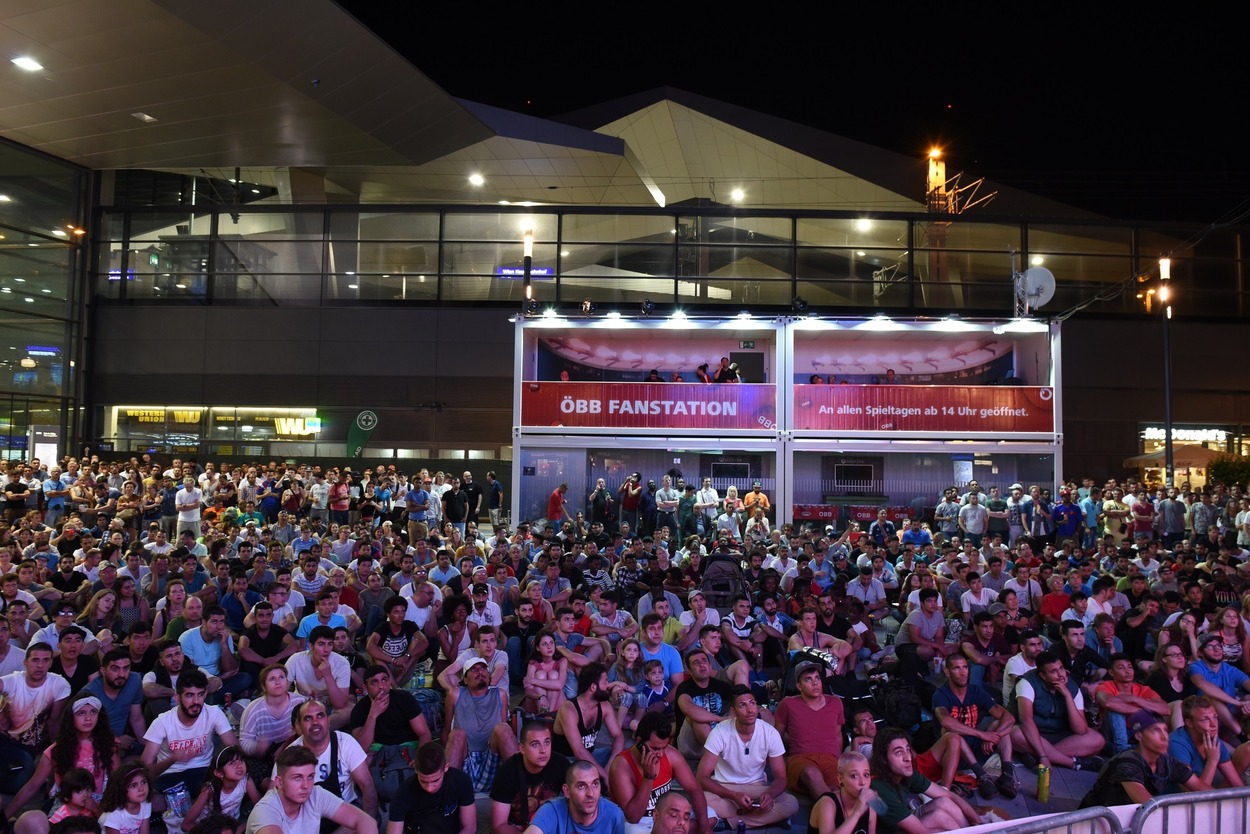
(1186, 435)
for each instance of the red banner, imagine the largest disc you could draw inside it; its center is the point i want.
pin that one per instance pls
(649, 405)
(951, 409)
(815, 512)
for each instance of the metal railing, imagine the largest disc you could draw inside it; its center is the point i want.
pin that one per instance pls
(1229, 807)
(1084, 821)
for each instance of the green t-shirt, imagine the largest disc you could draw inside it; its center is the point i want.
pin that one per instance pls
(897, 799)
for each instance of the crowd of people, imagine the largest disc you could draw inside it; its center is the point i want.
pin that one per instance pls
(281, 648)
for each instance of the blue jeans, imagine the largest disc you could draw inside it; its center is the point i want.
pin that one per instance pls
(516, 651)
(18, 767)
(1115, 730)
(52, 515)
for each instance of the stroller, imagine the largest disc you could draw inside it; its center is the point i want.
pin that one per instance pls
(723, 579)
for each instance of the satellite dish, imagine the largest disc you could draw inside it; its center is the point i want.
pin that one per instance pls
(1037, 286)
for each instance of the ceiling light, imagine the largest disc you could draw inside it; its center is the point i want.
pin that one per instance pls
(953, 324)
(1037, 260)
(859, 253)
(353, 286)
(30, 300)
(612, 315)
(144, 117)
(45, 289)
(863, 224)
(27, 63)
(80, 231)
(27, 362)
(255, 190)
(744, 315)
(549, 313)
(5, 198)
(59, 233)
(477, 179)
(181, 286)
(6, 289)
(737, 195)
(678, 315)
(20, 280)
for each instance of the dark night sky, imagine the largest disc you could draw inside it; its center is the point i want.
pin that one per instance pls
(1133, 118)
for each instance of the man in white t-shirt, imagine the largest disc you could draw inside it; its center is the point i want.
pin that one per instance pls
(321, 674)
(36, 699)
(12, 656)
(339, 757)
(1021, 664)
(739, 757)
(187, 501)
(178, 747)
(296, 804)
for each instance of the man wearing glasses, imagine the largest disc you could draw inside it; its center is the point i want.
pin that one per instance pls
(63, 618)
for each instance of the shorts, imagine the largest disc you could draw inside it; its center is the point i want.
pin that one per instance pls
(928, 766)
(480, 767)
(826, 763)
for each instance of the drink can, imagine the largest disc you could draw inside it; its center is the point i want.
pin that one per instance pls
(1043, 783)
(742, 827)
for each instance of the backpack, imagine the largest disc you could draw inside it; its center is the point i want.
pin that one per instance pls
(898, 703)
(390, 766)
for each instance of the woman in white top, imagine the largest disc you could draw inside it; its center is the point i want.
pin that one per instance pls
(266, 723)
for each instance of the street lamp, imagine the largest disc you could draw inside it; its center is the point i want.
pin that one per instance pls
(528, 238)
(1165, 298)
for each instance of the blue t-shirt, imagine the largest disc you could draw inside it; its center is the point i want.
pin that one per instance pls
(553, 818)
(1181, 746)
(310, 622)
(976, 705)
(207, 656)
(418, 496)
(56, 500)
(237, 611)
(669, 656)
(1227, 678)
(118, 711)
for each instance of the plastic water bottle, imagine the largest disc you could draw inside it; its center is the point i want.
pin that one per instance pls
(1043, 783)
(420, 678)
(878, 804)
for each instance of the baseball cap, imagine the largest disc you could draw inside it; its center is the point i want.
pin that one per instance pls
(470, 663)
(694, 592)
(1209, 637)
(804, 666)
(828, 528)
(1017, 486)
(1141, 720)
(998, 608)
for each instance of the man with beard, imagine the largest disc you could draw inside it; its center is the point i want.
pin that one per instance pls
(582, 809)
(526, 781)
(342, 767)
(477, 733)
(519, 633)
(580, 719)
(647, 771)
(437, 799)
(178, 747)
(36, 698)
(121, 697)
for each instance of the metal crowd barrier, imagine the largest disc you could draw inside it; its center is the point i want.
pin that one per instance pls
(1212, 812)
(1084, 821)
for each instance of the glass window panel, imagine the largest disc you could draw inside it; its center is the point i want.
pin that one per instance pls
(891, 290)
(408, 257)
(347, 225)
(850, 264)
(167, 286)
(760, 263)
(611, 228)
(184, 254)
(159, 225)
(725, 291)
(111, 226)
(968, 235)
(616, 260)
(503, 227)
(273, 225)
(487, 288)
(492, 258)
(387, 287)
(33, 351)
(35, 269)
(1089, 269)
(250, 255)
(736, 231)
(42, 194)
(860, 232)
(1154, 243)
(301, 290)
(1092, 240)
(607, 289)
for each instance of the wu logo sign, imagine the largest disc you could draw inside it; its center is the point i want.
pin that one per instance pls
(297, 426)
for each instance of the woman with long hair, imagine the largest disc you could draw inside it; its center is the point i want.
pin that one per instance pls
(132, 606)
(1232, 633)
(1182, 633)
(1170, 680)
(85, 741)
(266, 722)
(458, 635)
(169, 606)
(544, 676)
(101, 616)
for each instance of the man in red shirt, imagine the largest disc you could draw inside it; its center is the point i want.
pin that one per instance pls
(810, 724)
(556, 510)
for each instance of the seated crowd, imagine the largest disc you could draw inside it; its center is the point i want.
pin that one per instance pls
(282, 649)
